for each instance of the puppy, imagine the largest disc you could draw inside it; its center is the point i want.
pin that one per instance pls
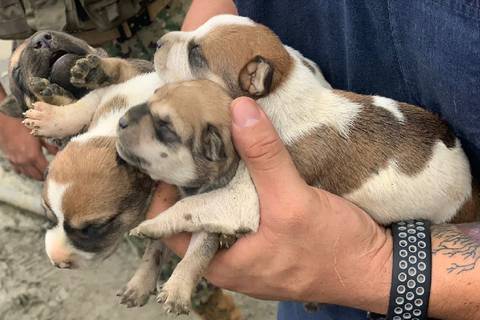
(58, 68)
(181, 136)
(90, 196)
(348, 144)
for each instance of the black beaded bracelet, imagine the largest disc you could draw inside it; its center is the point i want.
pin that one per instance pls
(412, 270)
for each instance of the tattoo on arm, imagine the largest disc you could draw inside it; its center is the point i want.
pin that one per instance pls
(459, 242)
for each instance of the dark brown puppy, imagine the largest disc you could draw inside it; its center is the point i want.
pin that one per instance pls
(58, 68)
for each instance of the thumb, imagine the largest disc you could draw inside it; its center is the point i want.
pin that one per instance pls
(262, 150)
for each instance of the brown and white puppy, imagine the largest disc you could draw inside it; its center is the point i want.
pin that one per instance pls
(394, 160)
(90, 197)
(182, 136)
(58, 68)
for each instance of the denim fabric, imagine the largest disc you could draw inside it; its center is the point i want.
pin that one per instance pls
(424, 52)
(296, 311)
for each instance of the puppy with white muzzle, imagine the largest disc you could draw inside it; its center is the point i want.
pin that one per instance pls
(90, 197)
(348, 144)
(182, 136)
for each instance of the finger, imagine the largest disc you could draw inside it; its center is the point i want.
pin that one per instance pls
(165, 196)
(51, 149)
(32, 172)
(259, 145)
(17, 168)
(178, 243)
(40, 163)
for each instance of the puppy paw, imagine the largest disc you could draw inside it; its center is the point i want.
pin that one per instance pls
(149, 229)
(48, 92)
(227, 240)
(137, 292)
(44, 120)
(137, 233)
(176, 297)
(88, 73)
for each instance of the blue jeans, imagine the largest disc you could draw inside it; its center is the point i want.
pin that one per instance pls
(296, 311)
(424, 52)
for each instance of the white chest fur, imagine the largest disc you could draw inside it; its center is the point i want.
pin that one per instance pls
(135, 91)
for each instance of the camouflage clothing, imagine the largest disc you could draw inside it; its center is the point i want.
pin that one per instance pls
(143, 43)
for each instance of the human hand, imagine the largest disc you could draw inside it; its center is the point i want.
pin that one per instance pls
(311, 245)
(21, 149)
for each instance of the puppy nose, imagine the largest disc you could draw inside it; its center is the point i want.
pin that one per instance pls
(123, 122)
(63, 265)
(42, 40)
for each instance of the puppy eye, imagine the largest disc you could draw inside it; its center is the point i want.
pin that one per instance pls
(163, 131)
(162, 123)
(95, 230)
(90, 231)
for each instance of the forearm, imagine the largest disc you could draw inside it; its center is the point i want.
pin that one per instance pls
(202, 10)
(455, 275)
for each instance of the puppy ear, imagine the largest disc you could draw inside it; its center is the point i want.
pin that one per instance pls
(212, 143)
(256, 77)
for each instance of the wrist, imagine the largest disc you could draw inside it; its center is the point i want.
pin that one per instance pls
(359, 267)
(371, 277)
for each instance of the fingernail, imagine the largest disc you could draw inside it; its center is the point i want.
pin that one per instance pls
(245, 112)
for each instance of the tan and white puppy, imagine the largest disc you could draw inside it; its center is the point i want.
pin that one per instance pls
(182, 136)
(91, 197)
(394, 160)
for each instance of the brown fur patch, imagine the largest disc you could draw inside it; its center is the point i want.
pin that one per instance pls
(228, 49)
(116, 103)
(219, 306)
(340, 165)
(120, 70)
(98, 187)
(470, 211)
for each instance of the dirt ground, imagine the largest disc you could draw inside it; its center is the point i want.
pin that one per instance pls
(32, 289)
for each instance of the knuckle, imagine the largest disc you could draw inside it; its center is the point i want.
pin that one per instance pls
(264, 152)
